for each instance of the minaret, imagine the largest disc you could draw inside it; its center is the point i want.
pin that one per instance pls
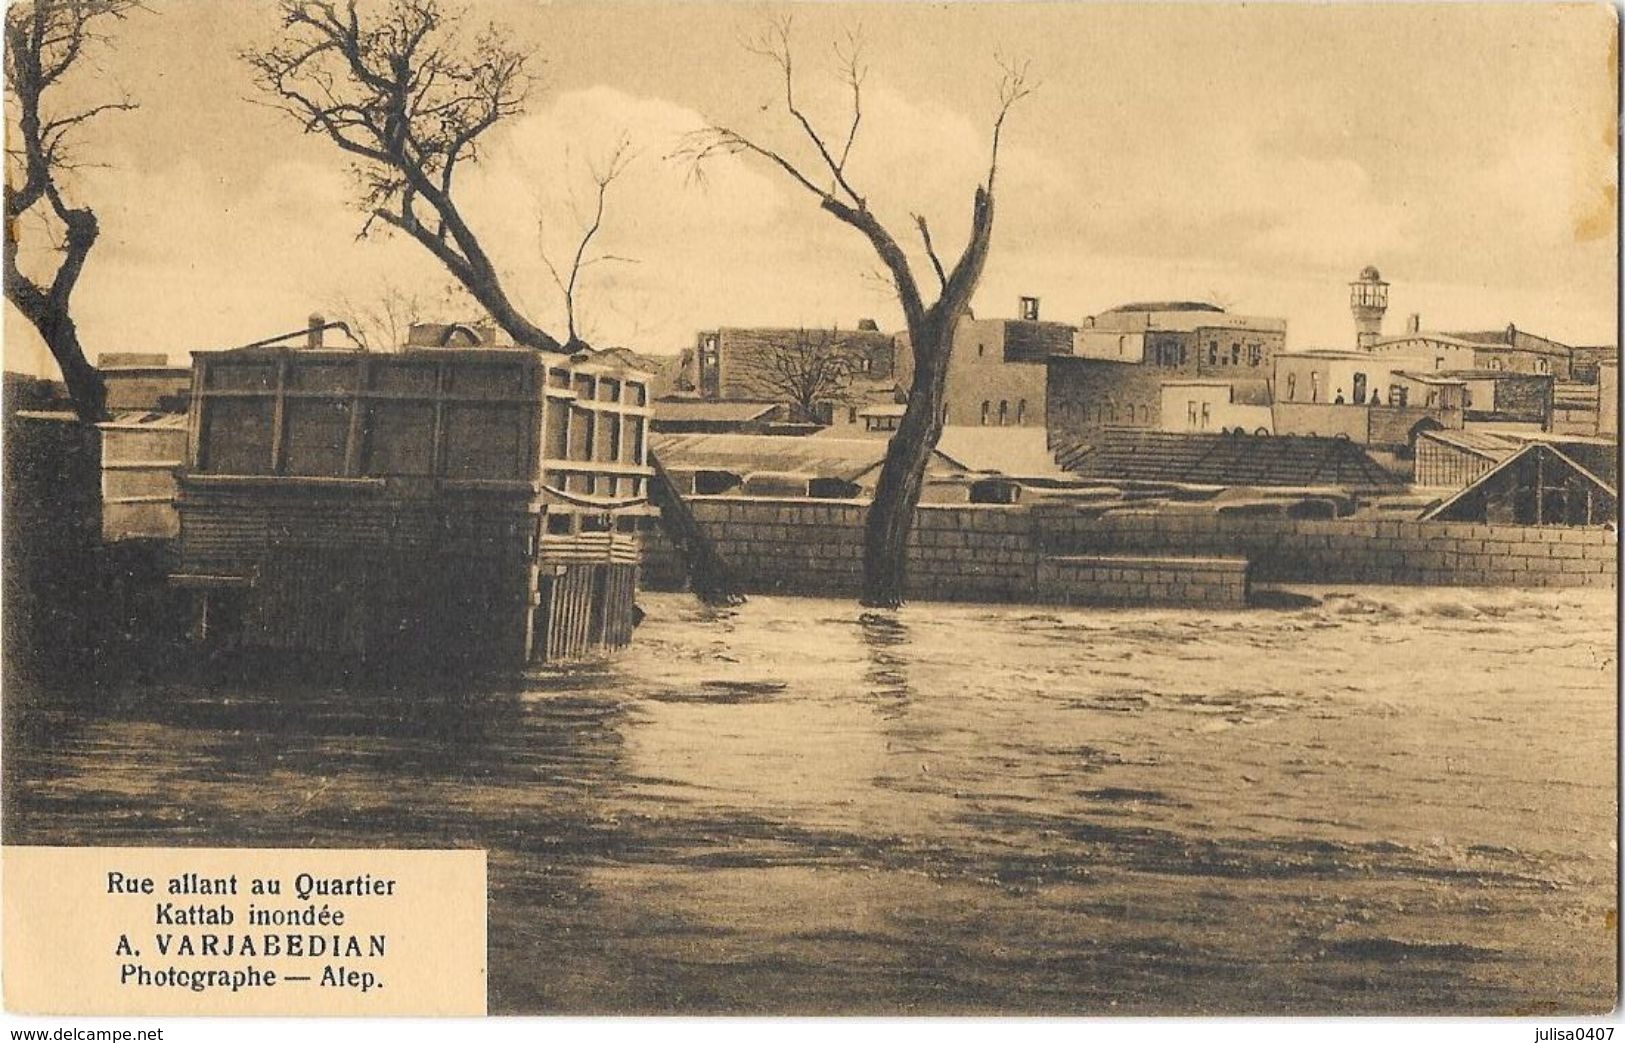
(1368, 300)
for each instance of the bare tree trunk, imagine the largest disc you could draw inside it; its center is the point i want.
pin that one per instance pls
(48, 312)
(902, 474)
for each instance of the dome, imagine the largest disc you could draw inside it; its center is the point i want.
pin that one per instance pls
(1370, 274)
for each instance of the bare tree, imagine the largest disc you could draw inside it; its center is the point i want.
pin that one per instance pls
(405, 94)
(402, 91)
(805, 370)
(930, 325)
(604, 174)
(45, 39)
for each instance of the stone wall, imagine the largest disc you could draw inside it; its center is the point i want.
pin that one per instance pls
(988, 552)
(963, 552)
(1347, 550)
(1124, 580)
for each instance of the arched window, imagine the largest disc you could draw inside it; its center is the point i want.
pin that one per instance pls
(1314, 387)
(1004, 413)
(1359, 389)
(1542, 366)
(1112, 410)
(1145, 414)
(986, 409)
(1291, 387)
(1021, 413)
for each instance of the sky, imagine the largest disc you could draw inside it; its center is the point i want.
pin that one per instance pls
(1255, 156)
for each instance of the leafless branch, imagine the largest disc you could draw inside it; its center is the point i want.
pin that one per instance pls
(405, 93)
(44, 40)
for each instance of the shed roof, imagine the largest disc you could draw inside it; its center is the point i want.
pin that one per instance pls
(1230, 460)
(1020, 452)
(846, 458)
(708, 410)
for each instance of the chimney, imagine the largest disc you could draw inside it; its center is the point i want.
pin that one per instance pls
(1029, 309)
(313, 335)
(1414, 323)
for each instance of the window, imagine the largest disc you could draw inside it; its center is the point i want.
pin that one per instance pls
(1004, 413)
(1235, 354)
(1438, 362)
(1542, 366)
(1213, 353)
(1397, 395)
(1021, 413)
(1190, 414)
(1205, 416)
(1255, 354)
(1145, 414)
(1112, 408)
(1314, 387)
(981, 349)
(985, 411)
(1122, 346)
(1359, 389)
(1291, 387)
(852, 414)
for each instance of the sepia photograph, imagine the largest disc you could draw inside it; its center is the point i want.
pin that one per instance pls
(993, 509)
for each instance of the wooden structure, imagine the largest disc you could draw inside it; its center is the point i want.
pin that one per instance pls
(1540, 484)
(458, 504)
(141, 452)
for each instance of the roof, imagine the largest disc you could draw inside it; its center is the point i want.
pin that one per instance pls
(1324, 353)
(844, 458)
(1477, 441)
(708, 410)
(1503, 338)
(1430, 377)
(1231, 460)
(1020, 452)
(1441, 338)
(1490, 374)
(1595, 455)
(1165, 306)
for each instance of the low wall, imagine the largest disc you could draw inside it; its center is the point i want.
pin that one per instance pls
(1116, 580)
(963, 552)
(989, 552)
(1347, 550)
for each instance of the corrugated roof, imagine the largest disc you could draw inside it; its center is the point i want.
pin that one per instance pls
(1020, 452)
(703, 410)
(844, 458)
(1230, 460)
(1484, 443)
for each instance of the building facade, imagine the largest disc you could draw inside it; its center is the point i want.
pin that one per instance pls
(762, 362)
(1123, 357)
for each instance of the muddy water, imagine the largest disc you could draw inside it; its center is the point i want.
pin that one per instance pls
(1395, 800)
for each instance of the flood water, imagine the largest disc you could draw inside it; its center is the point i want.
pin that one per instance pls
(1395, 800)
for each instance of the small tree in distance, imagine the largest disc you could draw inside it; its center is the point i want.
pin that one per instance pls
(807, 370)
(930, 325)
